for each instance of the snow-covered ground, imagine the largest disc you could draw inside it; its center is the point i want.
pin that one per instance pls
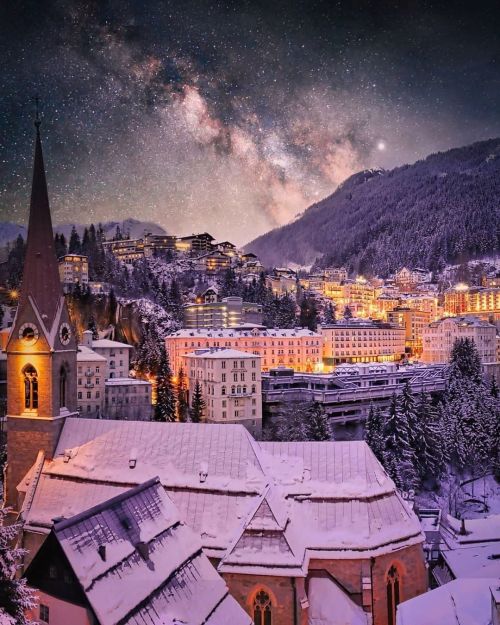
(474, 500)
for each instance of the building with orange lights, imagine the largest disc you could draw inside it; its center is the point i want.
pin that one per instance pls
(231, 312)
(439, 337)
(413, 321)
(353, 341)
(74, 270)
(298, 348)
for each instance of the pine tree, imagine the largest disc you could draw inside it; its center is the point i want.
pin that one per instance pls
(408, 408)
(494, 388)
(15, 596)
(347, 313)
(318, 426)
(291, 424)
(197, 404)
(175, 301)
(399, 458)
(329, 314)
(75, 246)
(308, 314)
(182, 401)
(165, 393)
(92, 326)
(285, 311)
(465, 361)
(429, 444)
(374, 431)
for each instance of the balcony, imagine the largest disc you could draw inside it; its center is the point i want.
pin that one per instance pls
(89, 373)
(89, 385)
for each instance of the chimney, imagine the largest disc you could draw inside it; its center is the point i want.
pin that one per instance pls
(101, 550)
(463, 531)
(143, 550)
(87, 339)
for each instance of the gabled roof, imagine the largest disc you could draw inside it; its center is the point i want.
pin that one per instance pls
(267, 541)
(337, 492)
(137, 542)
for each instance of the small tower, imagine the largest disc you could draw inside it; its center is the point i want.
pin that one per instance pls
(41, 349)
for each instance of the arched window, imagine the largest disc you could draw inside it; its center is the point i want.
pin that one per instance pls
(262, 609)
(63, 381)
(30, 388)
(244, 390)
(393, 596)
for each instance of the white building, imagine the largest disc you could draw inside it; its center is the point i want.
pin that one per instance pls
(439, 337)
(231, 384)
(73, 270)
(117, 355)
(91, 375)
(128, 399)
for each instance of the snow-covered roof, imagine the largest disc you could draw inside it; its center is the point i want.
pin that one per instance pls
(138, 542)
(336, 492)
(221, 353)
(476, 530)
(102, 343)
(85, 354)
(462, 601)
(330, 605)
(474, 560)
(235, 332)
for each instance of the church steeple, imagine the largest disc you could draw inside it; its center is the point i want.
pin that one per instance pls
(41, 273)
(41, 349)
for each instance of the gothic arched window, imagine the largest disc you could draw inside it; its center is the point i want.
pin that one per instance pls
(30, 388)
(393, 595)
(63, 381)
(262, 609)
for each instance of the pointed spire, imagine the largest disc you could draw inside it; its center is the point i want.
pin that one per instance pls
(41, 272)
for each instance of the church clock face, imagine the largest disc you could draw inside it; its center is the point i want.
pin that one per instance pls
(28, 333)
(65, 333)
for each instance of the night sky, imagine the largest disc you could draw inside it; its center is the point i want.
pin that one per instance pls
(234, 117)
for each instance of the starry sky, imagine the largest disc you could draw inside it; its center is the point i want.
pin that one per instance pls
(233, 117)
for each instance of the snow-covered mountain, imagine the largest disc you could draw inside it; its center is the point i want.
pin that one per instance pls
(135, 228)
(444, 209)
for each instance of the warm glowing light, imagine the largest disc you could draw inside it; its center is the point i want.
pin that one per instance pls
(14, 294)
(461, 286)
(381, 146)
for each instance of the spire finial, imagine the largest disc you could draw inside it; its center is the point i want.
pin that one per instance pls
(37, 113)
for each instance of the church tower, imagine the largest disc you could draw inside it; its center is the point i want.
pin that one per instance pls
(41, 349)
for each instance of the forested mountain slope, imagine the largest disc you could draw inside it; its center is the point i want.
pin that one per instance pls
(443, 209)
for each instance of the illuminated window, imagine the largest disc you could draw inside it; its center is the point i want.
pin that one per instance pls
(262, 609)
(30, 388)
(393, 595)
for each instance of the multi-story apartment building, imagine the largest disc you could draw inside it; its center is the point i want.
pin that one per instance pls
(424, 302)
(408, 279)
(359, 295)
(73, 270)
(91, 376)
(195, 243)
(128, 399)
(231, 385)
(213, 262)
(335, 274)
(282, 281)
(439, 337)
(384, 304)
(360, 340)
(126, 250)
(231, 312)
(116, 354)
(456, 299)
(413, 321)
(298, 348)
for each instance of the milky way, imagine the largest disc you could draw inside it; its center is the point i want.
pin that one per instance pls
(233, 117)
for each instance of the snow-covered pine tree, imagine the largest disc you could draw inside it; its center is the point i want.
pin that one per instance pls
(408, 408)
(291, 424)
(318, 426)
(285, 312)
(399, 457)
(374, 431)
(15, 596)
(465, 361)
(197, 404)
(429, 444)
(165, 392)
(329, 314)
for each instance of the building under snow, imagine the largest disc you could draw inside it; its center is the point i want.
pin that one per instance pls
(129, 560)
